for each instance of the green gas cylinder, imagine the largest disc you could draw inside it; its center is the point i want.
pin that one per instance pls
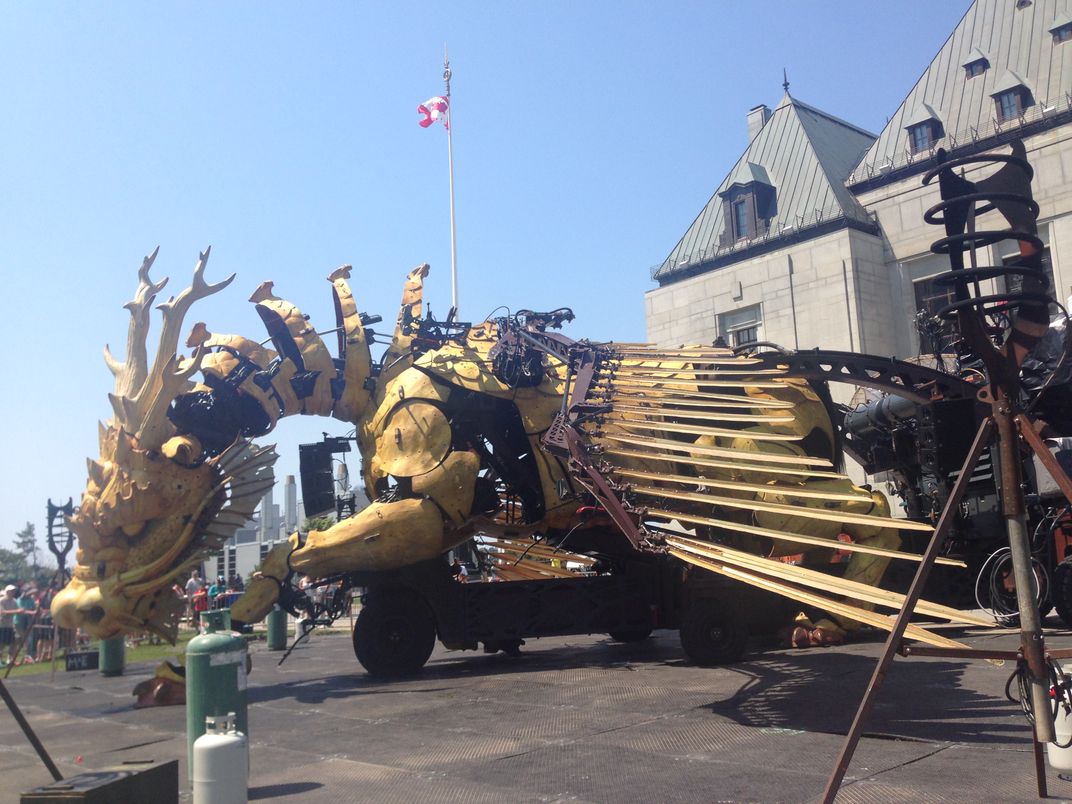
(215, 677)
(276, 621)
(112, 656)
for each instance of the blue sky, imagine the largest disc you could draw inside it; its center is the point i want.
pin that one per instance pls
(587, 136)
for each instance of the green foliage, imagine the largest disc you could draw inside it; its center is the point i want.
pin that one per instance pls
(317, 523)
(26, 546)
(12, 567)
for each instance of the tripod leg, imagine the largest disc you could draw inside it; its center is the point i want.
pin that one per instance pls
(1012, 504)
(1024, 425)
(982, 439)
(29, 732)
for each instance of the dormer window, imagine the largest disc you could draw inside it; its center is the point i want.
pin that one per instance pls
(748, 204)
(1010, 105)
(976, 63)
(1061, 29)
(1011, 97)
(741, 228)
(924, 129)
(922, 136)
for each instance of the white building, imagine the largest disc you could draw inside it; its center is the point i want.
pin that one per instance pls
(816, 237)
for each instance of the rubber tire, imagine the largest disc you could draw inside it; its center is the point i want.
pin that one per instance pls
(630, 635)
(1061, 591)
(713, 634)
(394, 635)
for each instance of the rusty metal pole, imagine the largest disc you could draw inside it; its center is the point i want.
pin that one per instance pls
(915, 590)
(1012, 504)
(27, 730)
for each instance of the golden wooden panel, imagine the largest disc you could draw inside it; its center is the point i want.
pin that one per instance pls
(415, 439)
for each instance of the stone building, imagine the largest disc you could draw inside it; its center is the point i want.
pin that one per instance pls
(816, 236)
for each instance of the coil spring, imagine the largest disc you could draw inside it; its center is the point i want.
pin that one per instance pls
(965, 202)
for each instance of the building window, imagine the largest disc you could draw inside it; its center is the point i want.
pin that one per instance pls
(977, 67)
(934, 335)
(921, 136)
(1062, 33)
(742, 326)
(1014, 283)
(740, 219)
(1010, 104)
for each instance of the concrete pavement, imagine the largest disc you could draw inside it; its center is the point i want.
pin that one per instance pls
(572, 719)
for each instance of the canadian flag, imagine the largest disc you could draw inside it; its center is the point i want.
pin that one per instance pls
(434, 109)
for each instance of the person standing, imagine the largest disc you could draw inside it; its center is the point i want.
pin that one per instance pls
(458, 570)
(24, 621)
(193, 587)
(215, 591)
(8, 606)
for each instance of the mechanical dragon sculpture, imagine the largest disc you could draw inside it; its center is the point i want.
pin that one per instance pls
(500, 428)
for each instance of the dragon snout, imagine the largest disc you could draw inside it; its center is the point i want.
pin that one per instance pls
(79, 606)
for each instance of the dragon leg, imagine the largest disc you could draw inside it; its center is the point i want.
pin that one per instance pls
(418, 528)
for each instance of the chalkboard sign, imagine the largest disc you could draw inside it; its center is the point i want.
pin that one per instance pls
(83, 660)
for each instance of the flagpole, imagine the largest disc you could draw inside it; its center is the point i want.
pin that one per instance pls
(450, 167)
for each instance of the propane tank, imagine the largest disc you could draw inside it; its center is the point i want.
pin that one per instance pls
(215, 677)
(219, 762)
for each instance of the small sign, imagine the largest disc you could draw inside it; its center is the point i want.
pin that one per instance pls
(83, 660)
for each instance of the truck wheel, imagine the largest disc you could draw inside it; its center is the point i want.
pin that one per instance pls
(1061, 591)
(630, 634)
(394, 636)
(713, 634)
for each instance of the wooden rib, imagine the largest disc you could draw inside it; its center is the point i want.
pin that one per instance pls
(759, 488)
(704, 383)
(745, 457)
(700, 430)
(827, 604)
(543, 544)
(686, 355)
(653, 373)
(540, 550)
(509, 574)
(827, 515)
(679, 397)
(797, 538)
(728, 403)
(758, 418)
(823, 581)
(691, 459)
(548, 553)
(537, 571)
(555, 557)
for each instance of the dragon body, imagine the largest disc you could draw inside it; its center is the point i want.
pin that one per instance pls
(501, 429)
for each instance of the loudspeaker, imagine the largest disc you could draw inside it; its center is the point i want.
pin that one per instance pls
(317, 482)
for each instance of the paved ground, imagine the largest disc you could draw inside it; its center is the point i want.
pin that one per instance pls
(573, 719)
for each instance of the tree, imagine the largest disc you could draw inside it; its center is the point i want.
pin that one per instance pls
(26, 546)
(11, 566)
(317, 523)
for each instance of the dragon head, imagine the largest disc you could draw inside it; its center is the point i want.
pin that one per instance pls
(155, 503)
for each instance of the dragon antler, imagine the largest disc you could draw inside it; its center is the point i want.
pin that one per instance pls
(130, 375)
(143, 394)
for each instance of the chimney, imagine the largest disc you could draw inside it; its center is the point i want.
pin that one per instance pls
(290, 499)
(757, 116)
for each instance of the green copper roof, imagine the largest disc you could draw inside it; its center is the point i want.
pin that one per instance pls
(805, 154)
(1020, 50)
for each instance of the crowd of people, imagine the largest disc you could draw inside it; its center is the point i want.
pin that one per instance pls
(200, 596)
(26, 622)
